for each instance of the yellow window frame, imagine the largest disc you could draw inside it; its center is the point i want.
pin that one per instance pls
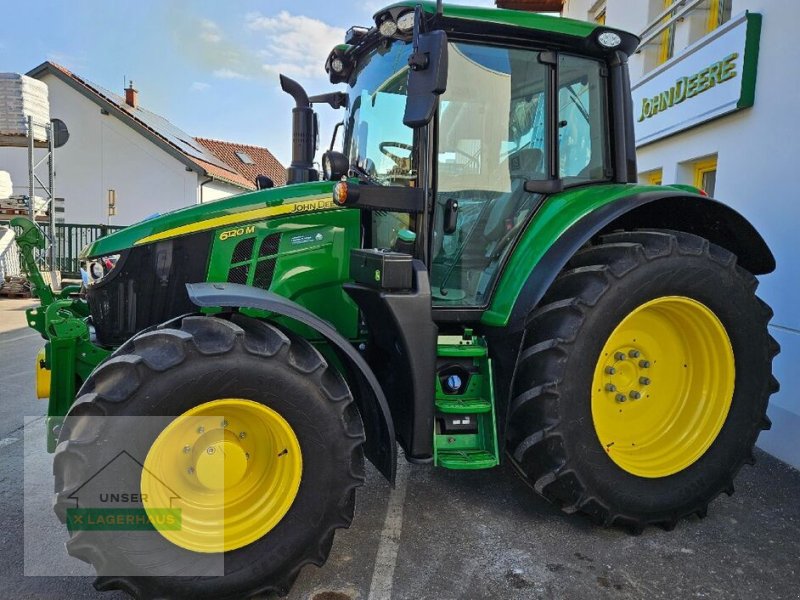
(701, 167)
(714, 14)
(600, 16)
(665, 48)
(654, 177)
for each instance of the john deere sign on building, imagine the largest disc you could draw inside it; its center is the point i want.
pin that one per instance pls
(715, 78)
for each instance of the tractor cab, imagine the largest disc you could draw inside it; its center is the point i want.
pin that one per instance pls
(478, 130)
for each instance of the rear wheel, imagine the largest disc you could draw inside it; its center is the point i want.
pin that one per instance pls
(643, 381)
(250, 434)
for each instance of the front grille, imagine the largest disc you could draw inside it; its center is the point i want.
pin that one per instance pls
(243, 250)
(238, 274)
(265, 269)
(147, 287)
(269, 245)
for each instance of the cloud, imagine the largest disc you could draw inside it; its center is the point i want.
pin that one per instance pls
(199, 86)
(296, 45)
(209, 31)
(227, 73)
(71, 61)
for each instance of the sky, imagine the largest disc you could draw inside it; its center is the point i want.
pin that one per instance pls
(210, 67)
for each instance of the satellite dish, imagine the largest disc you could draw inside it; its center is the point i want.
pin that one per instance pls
(60, 132)
(263, 182)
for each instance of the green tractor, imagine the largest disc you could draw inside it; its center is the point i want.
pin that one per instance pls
(476, 276)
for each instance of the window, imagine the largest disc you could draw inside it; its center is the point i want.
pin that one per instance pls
(375, 139)
(705, 175)
(654, 177)
(581, 120)
(693, 25)
(719, 12)
(491, 140)
(245, 158)
(598, 13)
(667, 47)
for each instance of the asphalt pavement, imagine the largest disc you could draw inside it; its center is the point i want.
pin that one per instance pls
(438, 535)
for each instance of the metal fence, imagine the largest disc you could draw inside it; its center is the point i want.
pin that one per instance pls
(70, 239)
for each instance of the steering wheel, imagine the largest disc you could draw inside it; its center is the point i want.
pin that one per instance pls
(400, 161)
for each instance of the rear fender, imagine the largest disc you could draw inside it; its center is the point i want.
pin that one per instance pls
(380, 447)
(662, 209)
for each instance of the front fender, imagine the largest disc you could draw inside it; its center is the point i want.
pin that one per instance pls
(380, 447)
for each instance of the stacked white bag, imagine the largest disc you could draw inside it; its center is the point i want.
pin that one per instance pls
(20, 97)
(6, 189)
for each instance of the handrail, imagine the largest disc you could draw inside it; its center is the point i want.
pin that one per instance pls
(688, 5)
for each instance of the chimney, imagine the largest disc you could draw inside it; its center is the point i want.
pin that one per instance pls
(131, 96)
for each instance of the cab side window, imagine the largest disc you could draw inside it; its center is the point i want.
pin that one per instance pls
(582, 120)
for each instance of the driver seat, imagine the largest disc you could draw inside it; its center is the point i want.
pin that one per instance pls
(522, 165)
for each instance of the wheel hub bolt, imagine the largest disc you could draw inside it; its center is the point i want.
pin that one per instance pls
(190, 470)
(619, 356)
(201, 430)
(210, 450)
(224, 423)
(247, 456)
(621, 398)
(610, 387)
(634, 354)
(644, 380)
(645, 364)
(242, 435)
(634, 395)
(187, 449)
(610, 370)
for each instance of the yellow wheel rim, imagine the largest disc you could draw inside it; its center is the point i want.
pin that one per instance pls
(232, 467)
(663, 386)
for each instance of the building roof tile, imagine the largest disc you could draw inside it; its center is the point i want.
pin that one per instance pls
(263, 161)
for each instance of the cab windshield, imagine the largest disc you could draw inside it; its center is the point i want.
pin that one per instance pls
(376, 141)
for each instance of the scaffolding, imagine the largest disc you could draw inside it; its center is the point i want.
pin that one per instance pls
(41, 178)
(34, 169)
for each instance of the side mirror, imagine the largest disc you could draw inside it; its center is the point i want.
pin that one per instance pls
(427, 77)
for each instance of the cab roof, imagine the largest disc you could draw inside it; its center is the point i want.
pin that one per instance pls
(546, 25)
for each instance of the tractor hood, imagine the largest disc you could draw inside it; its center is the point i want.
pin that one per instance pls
(253, 206)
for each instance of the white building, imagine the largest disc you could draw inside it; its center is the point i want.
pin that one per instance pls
(715, 97)
(119, 153)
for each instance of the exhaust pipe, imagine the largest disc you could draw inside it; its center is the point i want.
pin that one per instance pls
(304, 134)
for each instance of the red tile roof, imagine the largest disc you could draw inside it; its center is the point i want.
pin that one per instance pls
(264, 163)
(195, 153)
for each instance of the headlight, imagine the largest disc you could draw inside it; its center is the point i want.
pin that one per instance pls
(101, 267)
(388, 28)
(405, 22)
(609, 39)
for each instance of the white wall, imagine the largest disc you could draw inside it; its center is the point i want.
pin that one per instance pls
(757, 151)
(104, 153)
(216, 190)
(757, 156)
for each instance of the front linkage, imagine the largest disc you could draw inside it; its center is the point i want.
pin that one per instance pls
(68, 355)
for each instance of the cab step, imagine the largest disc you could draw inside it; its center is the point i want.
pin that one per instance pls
(465, 435)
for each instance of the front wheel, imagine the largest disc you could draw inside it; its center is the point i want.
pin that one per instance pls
(249, 434)
(644, 380)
